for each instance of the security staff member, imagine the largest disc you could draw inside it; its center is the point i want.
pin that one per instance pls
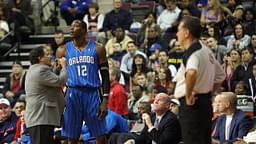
(199, 75)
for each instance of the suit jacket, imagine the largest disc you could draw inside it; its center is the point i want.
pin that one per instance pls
(240, 126)
(169, 131)
(44, 96)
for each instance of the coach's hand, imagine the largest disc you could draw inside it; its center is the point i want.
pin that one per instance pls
(102, 112)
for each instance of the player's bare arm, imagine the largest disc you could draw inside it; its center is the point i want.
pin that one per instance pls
(104, 71)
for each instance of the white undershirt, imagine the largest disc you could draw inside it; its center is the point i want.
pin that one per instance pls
(227, 126)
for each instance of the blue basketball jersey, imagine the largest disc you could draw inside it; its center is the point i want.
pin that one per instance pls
(82, 66)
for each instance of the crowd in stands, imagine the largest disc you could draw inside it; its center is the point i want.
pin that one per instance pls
(143, 65)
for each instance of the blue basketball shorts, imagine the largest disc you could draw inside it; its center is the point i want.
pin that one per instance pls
(82, 105)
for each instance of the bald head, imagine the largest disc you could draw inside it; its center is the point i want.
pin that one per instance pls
(229, 97)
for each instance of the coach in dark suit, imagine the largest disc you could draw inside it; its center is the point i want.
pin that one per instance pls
(164, 128)
(44, 96)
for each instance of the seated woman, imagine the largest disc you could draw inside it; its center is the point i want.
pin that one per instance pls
(212, 13)
(239, 39)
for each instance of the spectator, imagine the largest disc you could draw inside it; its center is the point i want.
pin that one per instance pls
(134, 100)
(163, 127)
(118, 98)
(153, 38)
(168, 17)
(175, 54)
(8, 121)
(94, 19)
(118, 53)
(119, 37)
(212, 14)
(238, 14)
(142, 80)
(239, 39)
(21, 129)
(241, 88)
(244, 70)
(218, 50)
(174, 106)
(74, 9)
(232, 4)
(164, 78)
(59, 40)
(249, 21)
(19, 12)
(14, 86)
(116, 17)
(4, 27)
(253, 44)
(191, 5)
(19, 106)
(137, 126)
(231, 61)
(153, 56)
(233, 123)
(139, 65)
(148, 22)
(252, 85)
(126, 64)
(184, 12)
(163, 62)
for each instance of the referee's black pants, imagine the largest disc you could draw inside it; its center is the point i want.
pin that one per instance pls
(196, 120)
(41, 134)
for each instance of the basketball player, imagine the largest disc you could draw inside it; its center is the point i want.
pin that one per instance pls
(84, 59)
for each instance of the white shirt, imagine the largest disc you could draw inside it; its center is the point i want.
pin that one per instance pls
(126, 63)
(208, 71)
(227, 126)
(4, 26)
(167, 18)
(99, 21)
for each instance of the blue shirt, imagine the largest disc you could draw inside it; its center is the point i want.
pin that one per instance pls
(79, 4)
(8, 129)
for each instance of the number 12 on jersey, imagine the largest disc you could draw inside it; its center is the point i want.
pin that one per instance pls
(82, 70)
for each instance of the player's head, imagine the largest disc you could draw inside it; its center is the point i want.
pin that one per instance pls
(78, 28)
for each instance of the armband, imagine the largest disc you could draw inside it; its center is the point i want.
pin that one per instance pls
(104, 71)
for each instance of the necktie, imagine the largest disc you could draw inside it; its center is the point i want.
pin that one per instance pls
(156, 124)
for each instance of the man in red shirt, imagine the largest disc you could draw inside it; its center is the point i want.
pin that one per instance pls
(118, 99)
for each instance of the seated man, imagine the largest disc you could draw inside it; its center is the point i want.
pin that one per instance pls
(14, 86)
(74, 9)
(136, 126)
(234, 123)
(19, 106)
(163, 127)
(8, 121)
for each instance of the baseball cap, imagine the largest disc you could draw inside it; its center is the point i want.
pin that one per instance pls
(239, 7)
(4, 101)
(175, 101)
(154, 47)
